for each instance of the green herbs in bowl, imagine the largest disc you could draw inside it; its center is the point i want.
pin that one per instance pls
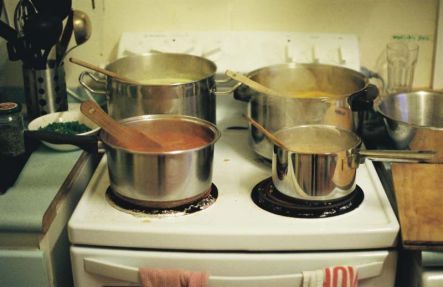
(66, 123)
(66, 128)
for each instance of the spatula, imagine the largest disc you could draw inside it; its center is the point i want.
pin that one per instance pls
(125, 136)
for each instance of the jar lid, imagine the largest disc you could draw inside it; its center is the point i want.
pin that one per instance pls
(9, 108)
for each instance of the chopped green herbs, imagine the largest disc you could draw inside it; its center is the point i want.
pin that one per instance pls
(67, 128)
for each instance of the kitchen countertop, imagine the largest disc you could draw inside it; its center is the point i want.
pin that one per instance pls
(412, 190)
(24, 205)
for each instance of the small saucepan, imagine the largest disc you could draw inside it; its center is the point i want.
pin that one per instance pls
(179, 174)
(323, 159)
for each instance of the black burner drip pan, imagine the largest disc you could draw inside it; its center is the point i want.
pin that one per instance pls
(267, 197)
(185, 209)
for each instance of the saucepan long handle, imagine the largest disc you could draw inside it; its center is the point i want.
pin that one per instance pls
(397, 155)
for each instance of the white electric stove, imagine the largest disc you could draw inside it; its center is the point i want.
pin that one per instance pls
(231, 237)
(227, 234)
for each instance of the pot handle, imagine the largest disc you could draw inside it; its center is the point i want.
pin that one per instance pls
(87, 143)
(414, 156)
(229, 90)
(82, 81)
(364, 99)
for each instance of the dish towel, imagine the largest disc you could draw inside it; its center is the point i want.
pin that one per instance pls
(335, 276)
(153, 277)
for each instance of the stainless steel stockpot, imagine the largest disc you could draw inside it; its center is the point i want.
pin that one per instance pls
(169, 84)
(162, 179)
(414, 120)
(351, 89)
(323, 161)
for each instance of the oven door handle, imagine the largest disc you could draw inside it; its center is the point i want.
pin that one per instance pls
(130, 274)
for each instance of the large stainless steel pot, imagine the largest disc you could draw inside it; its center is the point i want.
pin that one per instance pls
(323, 161)
(414, 120)
(169, 84)
(349, 92)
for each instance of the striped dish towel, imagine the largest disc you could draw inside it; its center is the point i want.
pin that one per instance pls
(335, 276)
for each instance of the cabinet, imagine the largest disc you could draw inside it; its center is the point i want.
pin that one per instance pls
(34, 245)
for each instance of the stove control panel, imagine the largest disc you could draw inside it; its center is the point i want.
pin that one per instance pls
(249, 50)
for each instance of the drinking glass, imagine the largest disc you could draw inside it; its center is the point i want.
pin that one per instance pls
(401, 58)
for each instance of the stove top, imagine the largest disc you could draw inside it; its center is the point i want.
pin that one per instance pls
(197, 205)
(267, 197)
(234, 221)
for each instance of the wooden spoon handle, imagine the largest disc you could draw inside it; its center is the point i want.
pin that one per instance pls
(102, 71)
(252, 84)
(124, 135)
(267, 133)
(102, 119)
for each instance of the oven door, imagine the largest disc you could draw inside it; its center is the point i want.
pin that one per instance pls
(96, 267)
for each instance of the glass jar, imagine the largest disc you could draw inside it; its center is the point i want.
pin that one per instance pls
(12, 142)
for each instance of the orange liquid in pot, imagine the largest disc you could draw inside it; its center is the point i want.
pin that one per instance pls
(171, 138)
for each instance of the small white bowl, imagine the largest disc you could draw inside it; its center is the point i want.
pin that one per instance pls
(60, 117)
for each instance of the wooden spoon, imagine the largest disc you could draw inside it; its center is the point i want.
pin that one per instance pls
(265, 90)
(102, 71)
(252, 84)
(125, 136)
(268, 134)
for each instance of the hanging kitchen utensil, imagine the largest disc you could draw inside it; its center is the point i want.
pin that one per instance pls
(126, 137)
(82, 30)
(57, 8)
(62, 46)
(102, 71)
(43, 32)
(13, 44)
(7, 32)
(23, 12)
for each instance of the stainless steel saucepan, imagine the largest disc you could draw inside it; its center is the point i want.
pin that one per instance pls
(156, 178)
(322, 161)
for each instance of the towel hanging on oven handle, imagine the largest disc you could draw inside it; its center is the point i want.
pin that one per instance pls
(131, 274)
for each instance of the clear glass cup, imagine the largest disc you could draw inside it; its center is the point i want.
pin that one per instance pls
(401, 59)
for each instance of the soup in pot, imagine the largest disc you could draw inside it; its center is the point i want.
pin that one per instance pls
(165, 81)
(172, 134)
(318, 139)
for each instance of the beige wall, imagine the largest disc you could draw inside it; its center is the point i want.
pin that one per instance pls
(375, 22)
